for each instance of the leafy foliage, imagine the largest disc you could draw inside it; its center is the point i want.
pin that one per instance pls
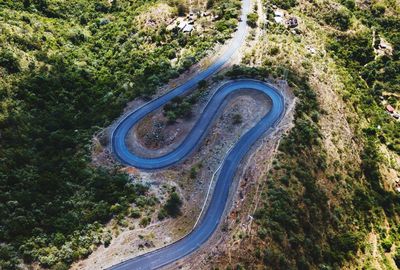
(67, 69)
(252, 19)
(172, 207)
(285, 4)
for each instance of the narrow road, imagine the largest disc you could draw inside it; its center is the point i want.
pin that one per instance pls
(214, 213)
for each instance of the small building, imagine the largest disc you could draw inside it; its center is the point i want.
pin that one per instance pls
(279, 16)
(389, 108)
(278, 13)
(396, 115)
(182, 25)
(188, 28)
(278, 20)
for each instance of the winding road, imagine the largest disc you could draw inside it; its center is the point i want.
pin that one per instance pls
(215, 211)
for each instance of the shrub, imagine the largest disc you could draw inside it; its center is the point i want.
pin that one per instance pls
(350, 4)
(135, 213)
(202, 83)
(340, 19)
(252, 19)
(193, 172)
(107, 239)
(237, 119)
(8, 257)
(173, 205)
(273, 50)
(346, 243)
(378, 9)
(396, 257)
(285, 4)
(9, 61)
(387, 244)
(162, 214)
(145, 221)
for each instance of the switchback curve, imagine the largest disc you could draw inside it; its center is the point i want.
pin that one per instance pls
(214, 213)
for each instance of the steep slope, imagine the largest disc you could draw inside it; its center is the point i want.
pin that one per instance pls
(66, 69)
(329, 199)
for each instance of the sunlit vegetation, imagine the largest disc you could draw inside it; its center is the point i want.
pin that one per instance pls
(302, 224)
(67, 69)
(299, 226)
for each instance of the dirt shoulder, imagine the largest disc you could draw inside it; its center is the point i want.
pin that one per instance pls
(133, 240)
(244, 198)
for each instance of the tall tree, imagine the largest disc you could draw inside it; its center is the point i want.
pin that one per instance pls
(27, 3)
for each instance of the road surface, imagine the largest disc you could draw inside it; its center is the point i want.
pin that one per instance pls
(214, 213)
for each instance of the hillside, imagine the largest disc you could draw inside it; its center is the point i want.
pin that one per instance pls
(67, 70)
(326, 198)
(329, 200)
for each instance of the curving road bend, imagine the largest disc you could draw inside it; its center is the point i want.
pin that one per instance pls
(214, 213)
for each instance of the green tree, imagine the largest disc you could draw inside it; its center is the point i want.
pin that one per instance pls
(237, 119)
(340, 19)
(173, 205)
(252, 19)
(27, 3)
(9, 61)
(182, 9)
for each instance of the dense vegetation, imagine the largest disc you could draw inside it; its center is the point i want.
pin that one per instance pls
(302, 230)
(318, 213)
(67, 69)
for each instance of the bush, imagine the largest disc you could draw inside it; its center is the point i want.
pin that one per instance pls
(162, 214)
(285, 4)
(378, 9)
(273, 50)
(144, 222)
(346, 243)
(8, 257)
(9, 61)
(350, 4)
(237, 119)
(202, 84)
(107, 239)
(193, 172)
(387, 244)
(396, 257)
(178, 107)
(340, 19)
(135, 213)
(173, 205)
(252, 19)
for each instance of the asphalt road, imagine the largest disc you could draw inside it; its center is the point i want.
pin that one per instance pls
(214, 213)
